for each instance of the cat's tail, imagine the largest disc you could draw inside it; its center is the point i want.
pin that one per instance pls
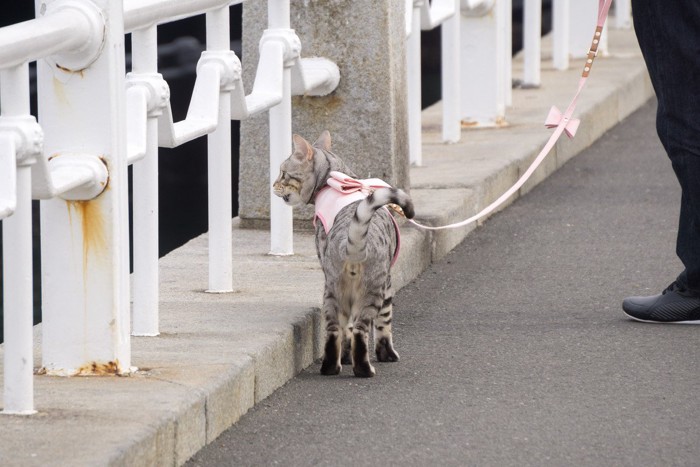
(359, 226)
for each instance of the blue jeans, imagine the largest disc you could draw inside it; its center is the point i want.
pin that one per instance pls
(668, 32)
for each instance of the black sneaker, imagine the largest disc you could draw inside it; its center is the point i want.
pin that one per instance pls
(673, 305)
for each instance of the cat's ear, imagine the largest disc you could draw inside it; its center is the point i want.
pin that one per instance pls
(324, 141)
(302, 147)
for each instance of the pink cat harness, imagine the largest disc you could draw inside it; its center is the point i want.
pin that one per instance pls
(342, 190)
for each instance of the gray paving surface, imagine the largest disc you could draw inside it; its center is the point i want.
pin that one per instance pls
(514, 348)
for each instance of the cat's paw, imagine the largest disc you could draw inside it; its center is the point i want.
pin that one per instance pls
(329, 368)
(385, 351)
(364, 370)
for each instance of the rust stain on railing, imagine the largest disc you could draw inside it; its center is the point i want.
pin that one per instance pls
(68, 70)
(92, 225)
(100, 369)
(60, 92)
(111, 368)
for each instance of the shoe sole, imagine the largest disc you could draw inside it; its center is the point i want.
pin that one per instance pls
(660, 322)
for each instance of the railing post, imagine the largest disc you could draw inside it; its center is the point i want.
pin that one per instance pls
(423, 15)
(560, 34)
(84, 243)
(507, 56)
(450, 34)
(18, 301)
(145, 199)
(219, 168)
(18, 394)
(532, 30)
(413, 78)
(483, 59)
(281, 217)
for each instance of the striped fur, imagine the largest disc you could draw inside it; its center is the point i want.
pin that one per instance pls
(357, 232)
(355, 256)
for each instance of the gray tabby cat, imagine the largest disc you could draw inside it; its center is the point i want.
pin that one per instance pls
(355, 255)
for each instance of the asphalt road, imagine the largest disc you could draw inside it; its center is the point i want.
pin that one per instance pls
(514, 349)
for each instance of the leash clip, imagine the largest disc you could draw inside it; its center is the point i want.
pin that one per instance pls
(396, 208)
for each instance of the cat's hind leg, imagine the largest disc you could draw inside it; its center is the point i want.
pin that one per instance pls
(384, 344)
(360, 346)
(334, 336)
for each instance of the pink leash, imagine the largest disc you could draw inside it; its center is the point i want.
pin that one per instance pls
(563, 123)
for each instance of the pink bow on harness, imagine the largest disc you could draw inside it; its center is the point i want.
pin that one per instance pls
(346, 184)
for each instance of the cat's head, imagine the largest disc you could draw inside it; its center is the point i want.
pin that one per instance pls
(300, 175)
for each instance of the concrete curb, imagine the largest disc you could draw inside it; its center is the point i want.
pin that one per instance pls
(219, 355)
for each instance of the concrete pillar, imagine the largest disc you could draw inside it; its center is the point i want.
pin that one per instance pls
(366, 115)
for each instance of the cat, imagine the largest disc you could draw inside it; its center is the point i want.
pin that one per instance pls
(355, 254)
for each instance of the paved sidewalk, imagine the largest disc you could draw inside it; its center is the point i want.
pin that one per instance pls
(218, 355)
(514, 348)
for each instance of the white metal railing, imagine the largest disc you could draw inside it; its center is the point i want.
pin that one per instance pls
(425, 15)
(94, 121)
(476, 55)
(475, 60)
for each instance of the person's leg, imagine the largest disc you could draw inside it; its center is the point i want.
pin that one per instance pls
(669, 37)
(687, 168)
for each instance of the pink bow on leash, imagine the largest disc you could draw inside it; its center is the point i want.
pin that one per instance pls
(346, 184)
(554, 119)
